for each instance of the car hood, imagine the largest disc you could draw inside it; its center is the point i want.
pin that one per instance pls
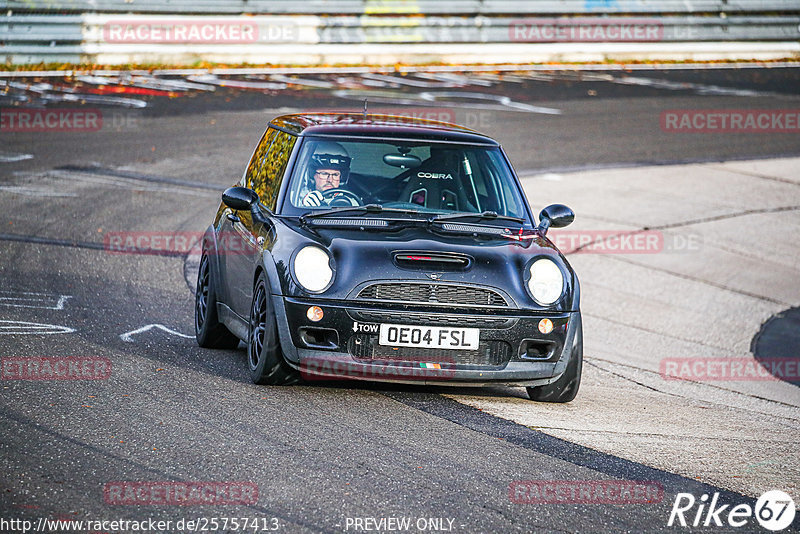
(363, 257)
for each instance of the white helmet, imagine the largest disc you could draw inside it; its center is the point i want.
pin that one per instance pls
(329, 155)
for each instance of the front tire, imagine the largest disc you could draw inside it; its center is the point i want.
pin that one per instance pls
(566, 387)
(264, 357)
(208, 331)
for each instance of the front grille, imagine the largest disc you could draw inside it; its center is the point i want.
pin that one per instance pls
(473, 321)
(490, 353)
(438, 294)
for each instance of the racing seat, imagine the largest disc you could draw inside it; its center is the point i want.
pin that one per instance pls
(437, 183)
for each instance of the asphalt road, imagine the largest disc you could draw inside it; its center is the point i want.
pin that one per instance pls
(320, 455)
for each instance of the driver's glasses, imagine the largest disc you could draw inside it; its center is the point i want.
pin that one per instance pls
(327, 180)
(325, 175)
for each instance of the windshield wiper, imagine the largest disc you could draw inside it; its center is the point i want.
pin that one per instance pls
(485, 216)
(369, 208)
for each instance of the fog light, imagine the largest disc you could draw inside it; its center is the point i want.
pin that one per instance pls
(545, 325)
(314, 314)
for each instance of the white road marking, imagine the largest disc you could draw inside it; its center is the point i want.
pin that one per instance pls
(146, 82)
(403, 81)
(236, 84)
(308, 82)
(27, 329)
(95, 99)
(499, 99)
(34, 191)
(642, 81)
(128, 336)
(154, 82)
(11, 157)
(454, 79)
(549, 176)
(65, 182)
(27, 299)
(493, 102)
(698, 88)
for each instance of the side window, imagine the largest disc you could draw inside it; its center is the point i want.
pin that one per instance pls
(510, 203)
(511, 207)
(265, 173)
(475, 182)
(252, 176)
(274, 168)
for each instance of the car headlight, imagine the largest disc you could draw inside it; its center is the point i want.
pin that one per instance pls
(546, 281)
(312, 268)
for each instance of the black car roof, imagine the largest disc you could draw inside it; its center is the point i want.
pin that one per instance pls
(377, 125)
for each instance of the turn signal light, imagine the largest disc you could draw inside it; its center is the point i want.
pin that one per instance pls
(314, 314)
(545, 326)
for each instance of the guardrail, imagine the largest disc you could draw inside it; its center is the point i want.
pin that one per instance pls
(98, 30)
(405, 7)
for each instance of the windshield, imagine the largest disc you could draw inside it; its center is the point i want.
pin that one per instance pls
(425, 177)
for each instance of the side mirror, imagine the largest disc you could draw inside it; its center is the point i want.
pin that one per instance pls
(239, 198)
(555, 216)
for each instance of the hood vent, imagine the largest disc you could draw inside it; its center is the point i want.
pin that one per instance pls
(365, 223)
(432, 261)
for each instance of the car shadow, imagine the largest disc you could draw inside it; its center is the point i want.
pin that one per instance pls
(776, 346)
(494, 391)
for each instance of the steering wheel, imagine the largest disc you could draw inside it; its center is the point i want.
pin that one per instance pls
(341, 197)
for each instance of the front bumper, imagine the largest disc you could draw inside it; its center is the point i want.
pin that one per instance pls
(344, 344)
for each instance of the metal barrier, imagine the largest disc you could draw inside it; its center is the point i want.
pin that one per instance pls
(37, 39)
(405, 7)
(175, 31)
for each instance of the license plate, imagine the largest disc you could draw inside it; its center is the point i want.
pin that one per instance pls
(429, 337)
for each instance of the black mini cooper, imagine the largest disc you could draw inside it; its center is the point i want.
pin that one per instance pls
(385, 248)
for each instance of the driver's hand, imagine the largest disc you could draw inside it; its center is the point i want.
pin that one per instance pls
(313, 198)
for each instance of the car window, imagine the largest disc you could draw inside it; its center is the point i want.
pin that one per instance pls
(509, 200)
(257, 160)
(268, 164)
(421, 175)
(486, 183)
(370, 161)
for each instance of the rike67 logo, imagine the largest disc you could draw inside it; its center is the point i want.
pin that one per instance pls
(774, 511)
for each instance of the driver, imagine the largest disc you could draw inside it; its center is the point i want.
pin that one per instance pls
(329, 169)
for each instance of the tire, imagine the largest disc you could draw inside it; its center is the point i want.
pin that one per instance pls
(566, 387)
(208, 331)
(264, 356)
